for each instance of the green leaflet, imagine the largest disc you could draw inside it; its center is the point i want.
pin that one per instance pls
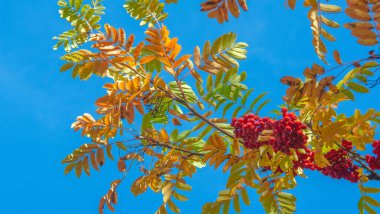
(357, 87)
(149, 12)
(187, 90)
(223, 54)
(83, 18)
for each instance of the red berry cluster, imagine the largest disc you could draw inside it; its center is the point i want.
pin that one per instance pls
(288, 134)
(288, 131)
(305, 160)
(250, 127)
(374, 162)
(341, 165)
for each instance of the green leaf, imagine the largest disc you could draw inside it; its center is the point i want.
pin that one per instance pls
(209, 83)
(236, 112)
(148, 12)
(245, 97)
(244, 196)
(183, 135)
(218, 79)
(261, 106)
(348, 93)
(121, 146)
(187, 90)
(370, 64)
(109, 152)
(66, 67)
(226, 108)
(372, 201)
(78, 4)
(287, 196)
(174, 135)
(258, 98)
(371, 190)
(146, 122)
(369, 209)
(226, 207)
(356, 87)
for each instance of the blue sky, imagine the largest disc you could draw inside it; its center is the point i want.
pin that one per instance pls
(38, 105)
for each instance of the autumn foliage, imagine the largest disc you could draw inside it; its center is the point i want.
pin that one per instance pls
(204, 115)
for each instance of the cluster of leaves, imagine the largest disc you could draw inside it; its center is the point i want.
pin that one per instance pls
(201, 134)
(367, 26)
(148, 11)
(84, 19)
(219, 9)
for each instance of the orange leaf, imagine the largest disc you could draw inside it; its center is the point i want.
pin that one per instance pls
(181, 60)
(130, 41)
(123, 59)
(176, 122)
(137, 51)
(130, 113)
(164, 136)
(147, 59)
(139, 106)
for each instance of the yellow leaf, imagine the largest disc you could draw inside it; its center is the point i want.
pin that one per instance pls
(327, 35)
(329, 8)
(164, 137)
(173, 207)
(197, 56)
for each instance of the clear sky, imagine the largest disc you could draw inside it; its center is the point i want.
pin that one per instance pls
(38, 105)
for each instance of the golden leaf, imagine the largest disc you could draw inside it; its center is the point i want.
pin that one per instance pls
(329, 8)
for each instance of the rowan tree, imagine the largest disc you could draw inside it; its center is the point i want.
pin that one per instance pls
(204, 115)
